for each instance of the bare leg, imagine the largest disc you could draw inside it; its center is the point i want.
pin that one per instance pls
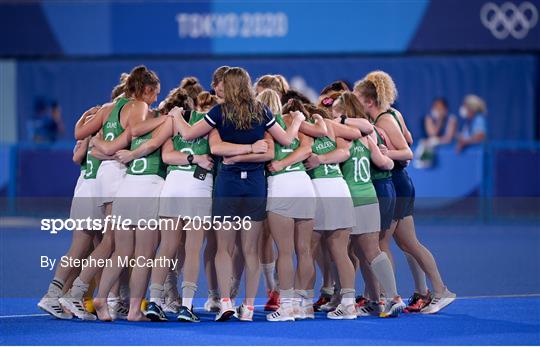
(282, 229)
(146, 242)
(384, 241)
(372, 288)
(250, 240)
(302, 244)
(124, 240)
(338, 242)
(194, 241)
(209, 260)
(406, 239)
(170, 242)
(224, 268)
(238, 266)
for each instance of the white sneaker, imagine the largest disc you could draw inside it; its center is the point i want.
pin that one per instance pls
(212, 304)
(332, 304)
(117, 309)
(52, 306)
(244, 313)
(438, 303)
(76, 306)
(226, 311)
(283, 314)
(343, 312)
(371, 308)
(393, 308)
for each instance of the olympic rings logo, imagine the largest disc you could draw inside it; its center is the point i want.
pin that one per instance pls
(509, 19)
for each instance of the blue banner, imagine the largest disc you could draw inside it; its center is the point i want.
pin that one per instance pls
(104, 28)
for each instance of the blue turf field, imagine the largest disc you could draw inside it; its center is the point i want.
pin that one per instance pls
(475, 260)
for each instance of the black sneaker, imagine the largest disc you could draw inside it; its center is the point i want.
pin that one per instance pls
(155, 313)
(186, 315)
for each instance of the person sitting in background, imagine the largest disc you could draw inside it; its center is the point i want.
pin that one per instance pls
(473, 130)
(440, 126)
(43, 127)
(439, 129)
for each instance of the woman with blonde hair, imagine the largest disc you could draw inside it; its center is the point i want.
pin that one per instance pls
(240, 188)
(277, 83)
(377, 92)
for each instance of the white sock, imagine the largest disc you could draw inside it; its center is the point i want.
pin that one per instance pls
(308, 299)
(78, 289)
(56, 288)
(286, 297)
(419, 275)
(157, 293)
(170, 286)
(382, 268)
(188, 292)
(269, 271)
(347, 296)
(327, 291)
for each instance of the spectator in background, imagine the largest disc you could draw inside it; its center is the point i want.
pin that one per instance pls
(439, 129)
(473, 129)
(440, 126)
(56, 113)
(46, 123)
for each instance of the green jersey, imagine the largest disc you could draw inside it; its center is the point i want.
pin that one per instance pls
(323, 145)
(356, 171)
(112, 127)
(376, 173)
(148, 165)
(91, 165)
(198, 146)
(282, 152)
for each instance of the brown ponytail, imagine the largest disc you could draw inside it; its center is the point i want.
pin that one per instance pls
(120, 88)
(139, 78)
(192, 87)
(205, 101)
(177, 97)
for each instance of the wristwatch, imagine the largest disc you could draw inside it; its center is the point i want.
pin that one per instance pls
(343, 117)
(190, 158)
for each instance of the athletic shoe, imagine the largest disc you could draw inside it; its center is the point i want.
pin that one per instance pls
(417, 302)
(171, 306)
(76, 307)
(307, 311)
(371, 308)
(273, 301)
(332, 304)
(281, 315)
(361, 301)
(226, 311)
(155, 313)
(52, 306)
(393, 308)
(117, 309)
(212, 304)
(342, 312)
(438, 303)
(298, 311)
(186, 315)
(244, 313)
(323, 300)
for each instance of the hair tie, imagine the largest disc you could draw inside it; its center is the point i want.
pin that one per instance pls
(327, 101)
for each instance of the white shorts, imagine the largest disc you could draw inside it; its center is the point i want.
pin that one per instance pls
(84, 203)
(184, 195)
(291, 195)
(109, 177)
(368, 219)
(138, 198)
(334, 204)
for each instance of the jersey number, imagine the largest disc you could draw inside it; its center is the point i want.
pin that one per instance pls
(361, 169)
(139, 168)
(187, 150)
